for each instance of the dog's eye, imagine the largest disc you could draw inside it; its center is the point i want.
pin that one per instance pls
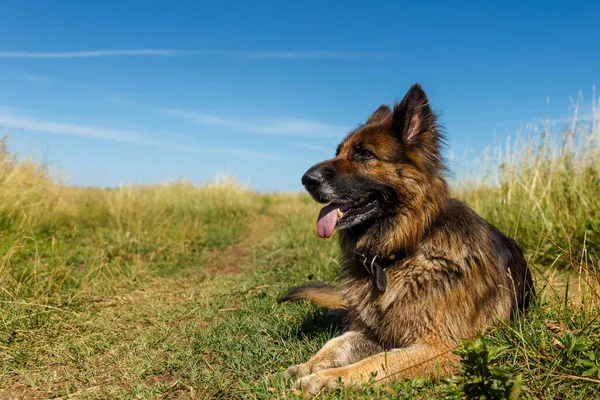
(365, 154)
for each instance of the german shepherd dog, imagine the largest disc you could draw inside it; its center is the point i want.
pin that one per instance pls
(421, 270)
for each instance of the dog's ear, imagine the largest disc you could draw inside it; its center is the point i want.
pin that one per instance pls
(414, 121)
(382, 113)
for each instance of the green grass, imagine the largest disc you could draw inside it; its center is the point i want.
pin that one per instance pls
(170, 291)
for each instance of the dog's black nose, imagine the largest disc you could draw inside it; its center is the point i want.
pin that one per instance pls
(316, 175)
(313, 177)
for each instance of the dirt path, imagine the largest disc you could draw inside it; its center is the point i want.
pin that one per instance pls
(231, 261)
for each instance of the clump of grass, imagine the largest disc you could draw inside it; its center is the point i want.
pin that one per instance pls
(29, 193)
(480, 378)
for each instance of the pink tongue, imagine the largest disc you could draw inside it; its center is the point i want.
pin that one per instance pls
(327, 220)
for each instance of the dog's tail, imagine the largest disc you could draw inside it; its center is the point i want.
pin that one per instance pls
(321, 294)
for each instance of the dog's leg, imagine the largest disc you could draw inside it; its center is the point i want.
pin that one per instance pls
(407, 363)
(338, 352)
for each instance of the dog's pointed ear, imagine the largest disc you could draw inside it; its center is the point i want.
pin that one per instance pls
(413, 117)
(382, 113)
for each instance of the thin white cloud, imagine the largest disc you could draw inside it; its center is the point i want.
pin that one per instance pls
(178, 52)
(91, 53)
(288, 127)
(11, 119)
(19, 121)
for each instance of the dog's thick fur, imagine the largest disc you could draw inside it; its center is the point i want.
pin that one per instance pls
(459, 276)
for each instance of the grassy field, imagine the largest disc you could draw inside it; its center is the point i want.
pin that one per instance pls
(170, 291)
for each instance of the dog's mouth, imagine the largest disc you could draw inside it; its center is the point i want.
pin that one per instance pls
(344, 215)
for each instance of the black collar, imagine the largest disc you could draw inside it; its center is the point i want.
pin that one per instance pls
(376, 265)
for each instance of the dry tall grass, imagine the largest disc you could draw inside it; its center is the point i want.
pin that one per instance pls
(29, 194)
(60, 243)
(542, 186)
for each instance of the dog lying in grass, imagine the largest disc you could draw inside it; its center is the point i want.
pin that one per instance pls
(421, 270)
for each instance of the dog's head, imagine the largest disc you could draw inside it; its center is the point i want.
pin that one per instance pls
(380, 168)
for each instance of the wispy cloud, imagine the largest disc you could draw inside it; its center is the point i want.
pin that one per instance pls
(179, 52)
(92, 53)
(10, 118)
(289, 127)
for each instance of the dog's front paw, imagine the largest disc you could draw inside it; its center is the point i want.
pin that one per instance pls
(315, 383)
(301, 370)
(297, 371)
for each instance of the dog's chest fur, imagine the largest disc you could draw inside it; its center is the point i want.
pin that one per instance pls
(391, 318)
(429, 294)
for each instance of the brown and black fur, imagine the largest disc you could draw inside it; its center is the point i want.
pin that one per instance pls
(459, 276)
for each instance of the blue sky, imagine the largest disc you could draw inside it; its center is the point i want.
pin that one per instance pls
(152, 91)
